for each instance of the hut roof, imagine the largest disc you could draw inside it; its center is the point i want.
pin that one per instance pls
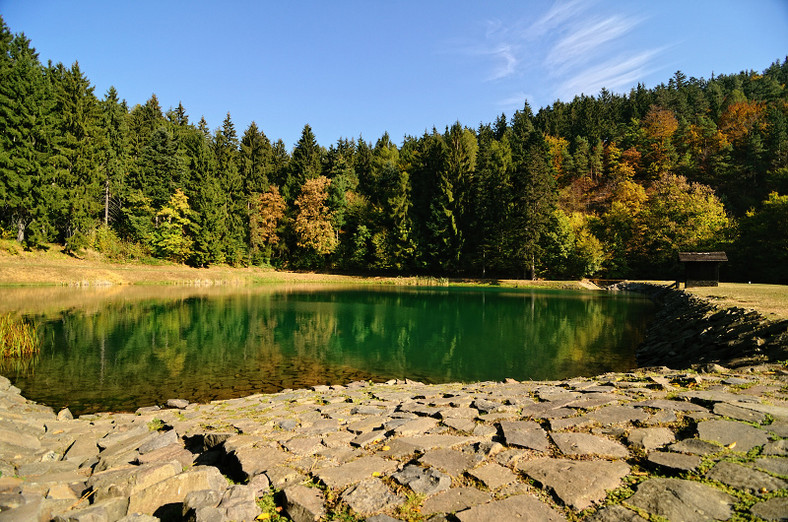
(702, 256)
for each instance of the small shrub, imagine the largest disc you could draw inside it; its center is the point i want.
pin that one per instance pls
(18, 339)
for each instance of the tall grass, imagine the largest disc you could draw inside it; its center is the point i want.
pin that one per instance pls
(18, 339)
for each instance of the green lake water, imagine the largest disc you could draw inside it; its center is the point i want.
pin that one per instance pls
(122, 353)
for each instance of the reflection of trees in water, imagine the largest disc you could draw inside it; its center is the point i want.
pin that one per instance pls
(222, 346)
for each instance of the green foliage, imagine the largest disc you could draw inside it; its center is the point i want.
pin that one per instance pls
(685, 165)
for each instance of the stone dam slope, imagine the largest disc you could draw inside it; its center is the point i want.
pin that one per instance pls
(703, 443)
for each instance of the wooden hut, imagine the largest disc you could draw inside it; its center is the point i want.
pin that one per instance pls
(702, 268)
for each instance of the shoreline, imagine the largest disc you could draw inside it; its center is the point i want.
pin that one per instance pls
(710, 437)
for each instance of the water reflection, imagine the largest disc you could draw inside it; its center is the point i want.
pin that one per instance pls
(122, 353)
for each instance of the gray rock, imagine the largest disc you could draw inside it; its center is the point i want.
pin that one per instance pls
(673, 405)
(777, 447)
(615, 514)
(776, 465)
(282, 476)
(650, 438)
(138, 517)
(252, 461)
(131, 479)
(684, 500)
(159, 441)
(454, 500)
(195, 500)
(742, 477)
(695, 447)
(674, 461)
(64, 414)
(523, 507)
(178, 404)
(355, 471)
(418, 426)
(423, 481)
(612, 415)
(772, 509)
(524, 434)
(586, 444)
(779, 413)
(451, 461)
(744, 436)
(577, 483)
(304, 504)
(174, 489)
(370, 496)
(736, 412)
(493, 475)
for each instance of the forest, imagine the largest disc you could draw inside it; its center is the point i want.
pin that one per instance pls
(609, 185)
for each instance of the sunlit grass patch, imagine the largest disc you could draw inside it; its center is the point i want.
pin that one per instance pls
(18, 338)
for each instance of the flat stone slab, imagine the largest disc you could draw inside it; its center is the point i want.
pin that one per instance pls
(612, 415)
(676, 499)
(416, 427)
(493, 475)
(776, 465)
(615, 513)
(524, 507)
(425, 442)
(451, 461)
(352, 472)
(777, 412)
(772, 509)
(695, 447)
(453, 500)
(725, 432)
(665, 404)
(743, 477)
(304, 504)
(577, 483)
(736, 412)
(524, 434)
(371, 496)
(174, 489)
(674, 461)
(650, 438)
(423, 481)
(587, 444)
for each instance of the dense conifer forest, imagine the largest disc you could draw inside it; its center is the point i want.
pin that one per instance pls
(607, 185)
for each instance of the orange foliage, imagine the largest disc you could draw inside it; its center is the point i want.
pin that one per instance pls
(557, 149)
(739, 118)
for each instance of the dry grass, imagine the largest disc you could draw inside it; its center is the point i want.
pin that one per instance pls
(17, 338)
(44, 281)
(770, 300)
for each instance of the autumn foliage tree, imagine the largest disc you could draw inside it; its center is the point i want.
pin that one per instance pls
(312, 226)
(265, 216)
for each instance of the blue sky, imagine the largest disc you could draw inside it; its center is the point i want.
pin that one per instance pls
(359, 68)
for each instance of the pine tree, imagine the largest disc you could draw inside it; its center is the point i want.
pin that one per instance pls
(255, 160)
(78, 149)
(226, 150)
(26, 179)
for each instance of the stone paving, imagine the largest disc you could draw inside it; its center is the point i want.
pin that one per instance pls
(659, 444)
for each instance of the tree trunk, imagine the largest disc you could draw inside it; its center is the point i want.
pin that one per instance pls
(20, 231)
(106, 203)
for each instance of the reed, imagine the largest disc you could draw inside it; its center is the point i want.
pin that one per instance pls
(18, 339)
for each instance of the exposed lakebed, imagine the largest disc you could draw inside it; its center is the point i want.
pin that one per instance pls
(127, 349)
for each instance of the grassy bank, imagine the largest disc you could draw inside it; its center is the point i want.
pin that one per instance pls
(52, 267)
(770, 300)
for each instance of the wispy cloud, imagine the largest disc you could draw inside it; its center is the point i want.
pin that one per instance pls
(576, 46)
(612, 74)
(583, 41)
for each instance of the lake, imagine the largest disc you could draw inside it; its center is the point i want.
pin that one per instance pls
(122, 348)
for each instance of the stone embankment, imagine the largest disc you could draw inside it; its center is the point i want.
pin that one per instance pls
(689, 330)
(709, 443)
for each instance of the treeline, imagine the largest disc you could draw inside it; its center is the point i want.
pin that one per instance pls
(608, 185)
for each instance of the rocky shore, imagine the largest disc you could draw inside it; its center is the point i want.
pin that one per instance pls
(703, 443)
